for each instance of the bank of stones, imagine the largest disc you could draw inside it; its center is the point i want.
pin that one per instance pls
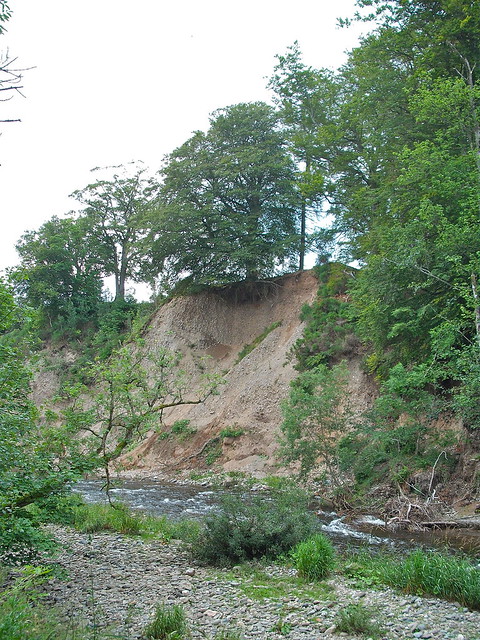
(114, 583)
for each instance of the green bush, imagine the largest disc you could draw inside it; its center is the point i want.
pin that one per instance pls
(231, 432)
(169, 623)
(260, 527)
(314, 559)
(435, 574)
(357, 619)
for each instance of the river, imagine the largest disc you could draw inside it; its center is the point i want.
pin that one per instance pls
(191, 501)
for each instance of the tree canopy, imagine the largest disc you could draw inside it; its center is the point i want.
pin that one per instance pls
(228, 205)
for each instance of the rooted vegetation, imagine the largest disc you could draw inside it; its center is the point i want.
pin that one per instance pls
(387, 148)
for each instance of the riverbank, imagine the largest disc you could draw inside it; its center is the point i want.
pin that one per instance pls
(114, 583)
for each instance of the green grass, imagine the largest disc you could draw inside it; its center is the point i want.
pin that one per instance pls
(424, 573)
(314, 559)
(92, 518)
(358, 620)
(169, 623)
(258, 584)
(24, 617)
(435, 574)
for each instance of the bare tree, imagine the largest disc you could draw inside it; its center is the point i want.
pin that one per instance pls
(10, 81)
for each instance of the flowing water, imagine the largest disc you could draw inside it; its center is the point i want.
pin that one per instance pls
(190, 501)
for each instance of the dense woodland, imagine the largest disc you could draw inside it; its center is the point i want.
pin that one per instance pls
(375, 165)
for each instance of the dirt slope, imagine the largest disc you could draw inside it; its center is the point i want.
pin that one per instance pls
(219, 326)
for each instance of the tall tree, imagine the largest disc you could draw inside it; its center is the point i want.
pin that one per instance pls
(306, 99)
(116, 211)
(228, 207)
(60, 272)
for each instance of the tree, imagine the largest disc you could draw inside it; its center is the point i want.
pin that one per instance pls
(34, 466)
(316, 414)
(60, 273)
(306, 101)
(228, 205)
(116, 213)
(126, 398)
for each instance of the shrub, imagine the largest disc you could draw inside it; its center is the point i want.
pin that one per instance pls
(314, 558)
(357, 619)
(169, 623)
(435, 574)
(260, 527)
(231, 432)
(182, 429)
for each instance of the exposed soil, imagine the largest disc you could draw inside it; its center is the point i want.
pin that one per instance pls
(219, 324)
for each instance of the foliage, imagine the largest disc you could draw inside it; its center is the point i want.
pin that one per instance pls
(23, 616)
(227, 210)
(306, 98)
(432, 573)
(328, 333)
(169, 623)
(132, 389)
(396, 437)
(35, 464)
(248, 348)
(357, 619)
(314, 559)
(115, 211)
(315, 415)
(231, 432)
(263, 526)
(182, 429)
(59, 274)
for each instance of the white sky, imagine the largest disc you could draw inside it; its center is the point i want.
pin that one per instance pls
(117, 80)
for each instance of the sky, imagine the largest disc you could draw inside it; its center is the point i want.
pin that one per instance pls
(116, 81)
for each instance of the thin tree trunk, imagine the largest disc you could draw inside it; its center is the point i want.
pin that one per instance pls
(477, 306)
(303, 226)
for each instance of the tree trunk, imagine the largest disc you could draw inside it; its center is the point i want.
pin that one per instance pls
(303, 227)
(477, 306)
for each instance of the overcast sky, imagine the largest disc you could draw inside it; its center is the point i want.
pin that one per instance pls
(115, 81)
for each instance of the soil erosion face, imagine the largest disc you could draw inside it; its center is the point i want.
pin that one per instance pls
(219, 325)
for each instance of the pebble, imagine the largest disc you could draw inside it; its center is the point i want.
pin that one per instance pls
(119, 581)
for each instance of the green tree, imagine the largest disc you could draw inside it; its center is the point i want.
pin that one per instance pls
(34, 468)
(306, 99)
(60, 273)
(126, 398)
(116, 213)
(316, 414)
(228, 206)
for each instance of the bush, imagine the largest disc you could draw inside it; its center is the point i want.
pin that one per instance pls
(169, 623)
(435, 574)
(261, 527)
(357, 619)
(314, 558)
